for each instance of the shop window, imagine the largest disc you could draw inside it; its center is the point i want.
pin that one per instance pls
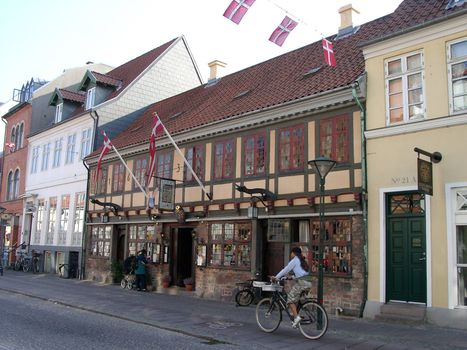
(291, 148)
(64, 219)
(279, 230)
(79, 218)
(255, 154)
(334, 138)
(337, 245)
(223, 160)
(143, 237)
(39, 221)
(49, 238)
(100, 241)
(230, 245)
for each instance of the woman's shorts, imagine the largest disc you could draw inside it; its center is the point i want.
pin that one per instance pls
(294, 295)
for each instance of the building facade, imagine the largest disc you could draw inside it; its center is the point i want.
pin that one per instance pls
(417, 99)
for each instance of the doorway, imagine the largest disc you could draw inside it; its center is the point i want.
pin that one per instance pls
(182, 254)
(121, 239)
(406, 248)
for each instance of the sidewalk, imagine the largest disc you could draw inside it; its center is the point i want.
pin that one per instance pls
(220, 323)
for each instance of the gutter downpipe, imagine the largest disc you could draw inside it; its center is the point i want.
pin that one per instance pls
(364, 192)
(86, 205)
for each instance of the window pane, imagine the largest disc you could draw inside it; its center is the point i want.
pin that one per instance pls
(396, 115)
(459, 49)
(395, 85)
(395, 100)
(459, 70)
(394, 67)
(414, 62)
(415, 111)
(216, 232)
(243, 255)
(229, 255)
(415, 81)
(415, 96)
(229, 232)
(243, 232)
(460, 103)
(260, 154)
(108, 232)
(462, 283)
(141, 232)
(460, 87)
(216, 254)
(462, 244)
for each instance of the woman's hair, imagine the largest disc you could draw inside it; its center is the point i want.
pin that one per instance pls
(303, 263)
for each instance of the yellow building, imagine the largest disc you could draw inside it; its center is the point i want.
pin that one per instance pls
(417, 98)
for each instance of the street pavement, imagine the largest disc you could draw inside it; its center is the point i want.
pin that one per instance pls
(177, 320)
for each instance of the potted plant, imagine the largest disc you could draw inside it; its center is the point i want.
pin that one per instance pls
(166, 281)
(188, 282)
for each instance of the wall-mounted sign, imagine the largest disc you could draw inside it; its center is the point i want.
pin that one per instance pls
(425, 176)
(167, 194)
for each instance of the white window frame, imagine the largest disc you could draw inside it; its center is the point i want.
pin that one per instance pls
(57, 152)
(85, 142)
(70, 149)
(58, 112)
(45, 156)
(405, 96)
(78, 219)
(34, 159)
(450, 63)
(90, 97)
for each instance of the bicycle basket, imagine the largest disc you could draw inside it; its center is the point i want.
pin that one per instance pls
(259, 284)
(272, 288)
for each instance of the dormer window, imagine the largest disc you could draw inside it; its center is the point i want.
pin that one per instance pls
(58, 113)
(90, 96)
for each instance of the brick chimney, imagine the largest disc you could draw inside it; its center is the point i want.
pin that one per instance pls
(214, 68)
(346, 13)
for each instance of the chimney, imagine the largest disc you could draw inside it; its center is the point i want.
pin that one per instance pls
(346, 13)
(214, 68)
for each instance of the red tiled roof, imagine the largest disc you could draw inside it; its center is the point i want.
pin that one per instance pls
(106, 79)
(281, 79)
(72, 95)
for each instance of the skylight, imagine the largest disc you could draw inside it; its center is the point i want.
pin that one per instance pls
(243, 93)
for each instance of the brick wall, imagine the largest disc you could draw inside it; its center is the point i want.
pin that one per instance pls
(98, 269)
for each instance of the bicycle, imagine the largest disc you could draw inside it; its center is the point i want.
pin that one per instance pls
(20, 259)
(314, 322)
(247, 292)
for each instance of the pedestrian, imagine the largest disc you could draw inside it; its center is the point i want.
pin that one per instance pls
(140, 271)
(300, 269)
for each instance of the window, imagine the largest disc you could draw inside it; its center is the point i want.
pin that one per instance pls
(20, 136)
(195, 157)
(58, 112)
(140, 172)
(291, 148)
(142, 237)
(255, 154)
(45, 156)
(164, 165)
(11, 186)
(70, 149)
(457, 67)
(230, 245)
(404, 88)
(337, 245)
(16, 184)
(34, 159)
(13, 139)
(49, 238)
(334, 138)
(278, 230)
(90, 96)
(57, 152)
(39, 221)
(461, 243)
(64, 219)
(118, 177)
(102, 181)
(79, 219)
(223, 159)
(100, 241)
(85, 142)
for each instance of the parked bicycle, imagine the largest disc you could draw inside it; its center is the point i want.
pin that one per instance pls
(21, 261)
(31, 263)
(314, 322)
(67, 271)
(248, 291)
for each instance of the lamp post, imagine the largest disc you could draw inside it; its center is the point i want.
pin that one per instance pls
(321, 166)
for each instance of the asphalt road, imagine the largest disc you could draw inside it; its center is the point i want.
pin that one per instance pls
(31, 323)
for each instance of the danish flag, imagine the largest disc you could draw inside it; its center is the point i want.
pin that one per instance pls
(329, 53)
(156, 125)
(10, 145)
(237, 9)
(106, 147)
(281, 33)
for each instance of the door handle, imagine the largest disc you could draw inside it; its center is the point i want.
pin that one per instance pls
(423, 258)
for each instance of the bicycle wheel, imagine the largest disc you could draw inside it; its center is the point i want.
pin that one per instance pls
(314, 321)
(26, 267)
(17, 266)
(123, 283)
(244, 297)
(268, 315)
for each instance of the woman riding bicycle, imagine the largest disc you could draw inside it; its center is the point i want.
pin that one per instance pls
(300, 269)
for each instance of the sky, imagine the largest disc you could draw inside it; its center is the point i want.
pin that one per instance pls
(42, 38)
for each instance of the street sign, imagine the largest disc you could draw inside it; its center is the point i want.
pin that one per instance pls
(425, 176)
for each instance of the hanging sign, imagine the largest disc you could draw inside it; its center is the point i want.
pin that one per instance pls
(167, 194)
(425, 176)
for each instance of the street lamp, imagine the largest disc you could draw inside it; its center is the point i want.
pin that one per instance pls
(321, 166)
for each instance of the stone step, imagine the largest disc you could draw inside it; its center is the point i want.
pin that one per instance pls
(397, 319)
(411, 311)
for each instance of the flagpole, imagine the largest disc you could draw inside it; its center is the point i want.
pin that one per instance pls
(187, 164)
(131, 173)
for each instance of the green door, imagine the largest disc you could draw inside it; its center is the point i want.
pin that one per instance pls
(406, 250)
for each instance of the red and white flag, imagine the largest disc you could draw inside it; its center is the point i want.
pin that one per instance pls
(10, 145)
(329, 53)
(282, 31)
(237, 10)
(106, 147)
(156, 125)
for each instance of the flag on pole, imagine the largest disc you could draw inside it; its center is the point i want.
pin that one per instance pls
(10, 145)
(237, 9)
(328, 53)
(106, 147)
(156, 125)
(281, 33)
